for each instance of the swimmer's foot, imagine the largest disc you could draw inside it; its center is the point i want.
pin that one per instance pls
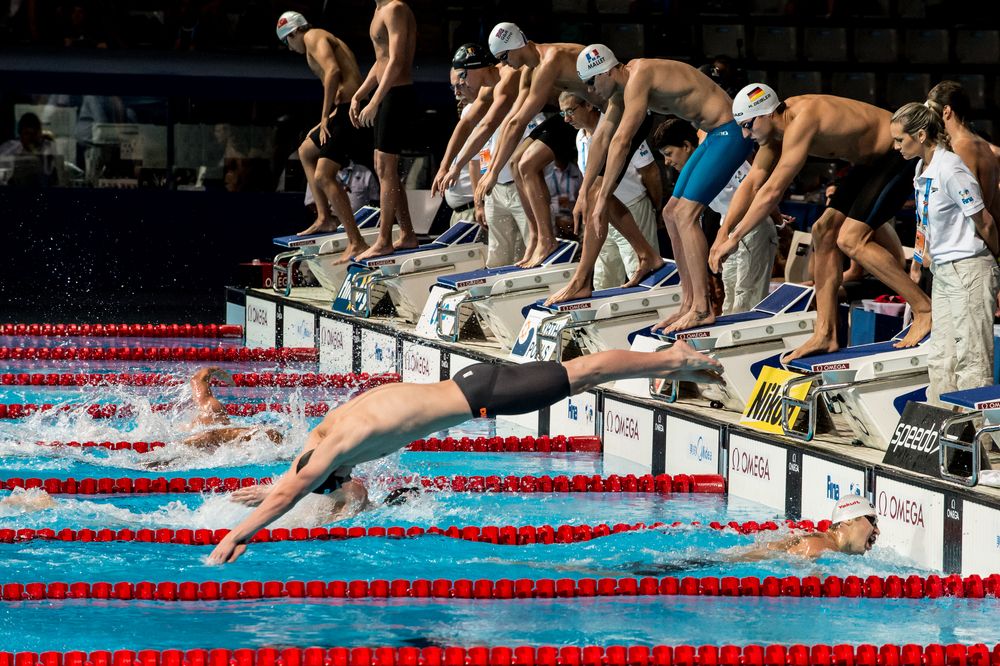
(570, 292)
(351, 252)
(818, 343)
(543, 249)
(919, 329)
(319, 227)
(690, 319)
(674, 316)
(378, 249)
(407, 241)
(529, 250)
(646, 266)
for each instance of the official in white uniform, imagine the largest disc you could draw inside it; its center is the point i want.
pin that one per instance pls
(961, 245)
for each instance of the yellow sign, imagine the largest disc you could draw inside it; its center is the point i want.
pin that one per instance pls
(763, 410)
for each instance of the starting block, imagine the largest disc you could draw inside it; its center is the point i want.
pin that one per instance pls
(981, 407)
(407, 275)
(600, 322)
(871, 382)
(743, 342)
(498, 295)
(320, 252)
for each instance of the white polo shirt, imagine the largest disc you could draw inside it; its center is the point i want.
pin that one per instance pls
(486, 154)
(947, 196)
(630, 188)
(720, 204)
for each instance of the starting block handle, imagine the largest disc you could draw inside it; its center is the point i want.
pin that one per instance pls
(655, 393)
(556, 338)
(440, 312)
(365, 290)
(807, 404)
(949, 442)
(282, 264)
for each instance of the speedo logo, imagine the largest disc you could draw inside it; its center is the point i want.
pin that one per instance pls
(915, 438)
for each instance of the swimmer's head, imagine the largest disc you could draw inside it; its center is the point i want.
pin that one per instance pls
(855, 522)
(291, 26)
(401, 495)
(676, 139)
(274, 435)
(757, 100)
(472, 56)
(917, 126)
(592, 66)
(950, 98)
(506, 42)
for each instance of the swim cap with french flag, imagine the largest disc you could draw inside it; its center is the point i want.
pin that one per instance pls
(852, 506)
(756, 99)
(506, 37)
(288, 23)
(593, 60)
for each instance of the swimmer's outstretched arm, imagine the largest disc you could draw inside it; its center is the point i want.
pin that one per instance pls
(210, 410)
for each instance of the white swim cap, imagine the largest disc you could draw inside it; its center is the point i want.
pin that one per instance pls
(593, 60)
(506, 37)
(289, 23)
(756, 99)
(852, 506)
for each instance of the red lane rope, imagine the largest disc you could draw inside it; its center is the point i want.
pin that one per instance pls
(126, 330)
(149, 354)
(506, 535)
(911, 654)
(542, 444)
(558, 443)
(241, 380)
(873, 587)
(661, 483)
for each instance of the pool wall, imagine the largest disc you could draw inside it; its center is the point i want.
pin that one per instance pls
(939, 526)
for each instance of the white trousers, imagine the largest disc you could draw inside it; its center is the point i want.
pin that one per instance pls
(617, 261)
(508, 226)
(960, 351)
(746, 274)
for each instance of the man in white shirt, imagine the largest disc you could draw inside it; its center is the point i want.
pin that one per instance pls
(747, 273)
(640, 188)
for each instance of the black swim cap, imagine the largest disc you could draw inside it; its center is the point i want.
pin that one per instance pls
(401, 495)
(472, 56)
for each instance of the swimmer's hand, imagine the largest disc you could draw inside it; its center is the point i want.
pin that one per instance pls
(223, 376)
(324, 133)
(722, 249)
(227, 551)
(367, 116)
(251, 495)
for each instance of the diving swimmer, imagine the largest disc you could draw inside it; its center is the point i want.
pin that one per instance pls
(387, 418)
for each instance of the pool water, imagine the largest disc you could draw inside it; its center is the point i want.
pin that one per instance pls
(678, 551)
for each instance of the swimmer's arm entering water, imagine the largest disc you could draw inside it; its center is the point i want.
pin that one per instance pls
(808, 546)
(346, 502)
(210, 410)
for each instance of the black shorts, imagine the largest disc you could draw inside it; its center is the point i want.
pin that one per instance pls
(331, 484)
(493, 389)
(345, 141)
(395, 119)
(873, 193)
(558, 135)
(640, 135)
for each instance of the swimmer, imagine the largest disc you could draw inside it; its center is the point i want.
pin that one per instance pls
(385, 419)
(212, 415)
(853, 532)
(344, 502)
(879, 182)
(28, 501)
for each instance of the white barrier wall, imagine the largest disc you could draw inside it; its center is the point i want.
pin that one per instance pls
(757, 471)
(261, 324)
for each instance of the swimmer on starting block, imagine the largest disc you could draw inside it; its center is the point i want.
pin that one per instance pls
(387, 418)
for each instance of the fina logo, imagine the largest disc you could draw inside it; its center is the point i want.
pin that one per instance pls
(573, 412)
(833, 489)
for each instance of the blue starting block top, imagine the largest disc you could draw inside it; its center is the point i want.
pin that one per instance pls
(787, 298)
(664, 276)
(366, 217)
(563, 254)
(986, 397)
(461, 234)
(816, 362)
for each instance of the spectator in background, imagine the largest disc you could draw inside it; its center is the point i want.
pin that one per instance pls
(746, 274)
(360, 184)
(960, 243)
(617, 258)
(563, 181)
(82, 27)
(458, 195)
(30, 158)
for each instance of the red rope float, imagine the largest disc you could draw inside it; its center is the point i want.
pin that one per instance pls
(149, 354)
(242, 380)
(873, 587)
(935, 654)
(125, 330)
(661, 483)
(507, 535)
(558, 443)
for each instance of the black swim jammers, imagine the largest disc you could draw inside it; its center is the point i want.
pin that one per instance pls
(332, 482)
(493, 389)
(874, 192)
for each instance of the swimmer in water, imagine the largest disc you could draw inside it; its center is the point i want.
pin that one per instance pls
(387, 418)
(212, 420)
